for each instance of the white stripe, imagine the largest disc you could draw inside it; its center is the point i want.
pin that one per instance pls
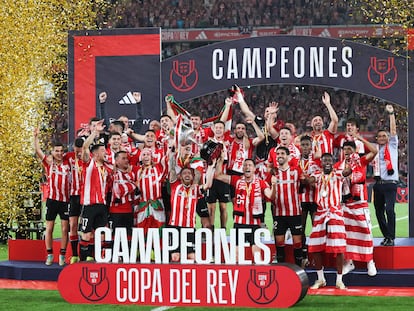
(398, 219)
(162, 308)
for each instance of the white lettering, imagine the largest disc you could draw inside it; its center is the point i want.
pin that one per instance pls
(270, 60)
(316, 62)
(251, 67)
(232, 72)
(217, 71)
(120, 247)
(331, 62)
(283, 62)
(107, 233)
(299, 62)
(258, 234)
(346, 55)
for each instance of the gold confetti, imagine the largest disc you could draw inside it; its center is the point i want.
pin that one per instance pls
(33, 79)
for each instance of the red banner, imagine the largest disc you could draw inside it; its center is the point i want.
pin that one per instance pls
(274, 286)
(410, 39)
(211, 34)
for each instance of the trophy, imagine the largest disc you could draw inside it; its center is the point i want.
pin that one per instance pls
(211, 151)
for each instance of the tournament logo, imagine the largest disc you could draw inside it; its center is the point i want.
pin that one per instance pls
(94, 284)
(262, 287)
(382, 73)
(184, 75)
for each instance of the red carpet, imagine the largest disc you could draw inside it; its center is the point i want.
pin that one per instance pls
(331, 291)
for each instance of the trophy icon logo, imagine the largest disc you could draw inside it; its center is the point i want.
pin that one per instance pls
(184, 75)
(382, 73)
(262, 286)
(94, 284)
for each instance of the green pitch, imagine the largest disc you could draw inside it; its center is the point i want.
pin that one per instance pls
(42, 300)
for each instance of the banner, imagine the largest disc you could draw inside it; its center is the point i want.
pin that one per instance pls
(216, 34)
(112, 73)
(272, 286)
(299, 60)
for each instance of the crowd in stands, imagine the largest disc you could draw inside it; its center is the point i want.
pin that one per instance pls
(233, 13)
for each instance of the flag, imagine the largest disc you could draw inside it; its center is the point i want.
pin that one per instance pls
(177, 108)
(210, 121)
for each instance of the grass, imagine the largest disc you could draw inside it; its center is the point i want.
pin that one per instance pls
(42, 300)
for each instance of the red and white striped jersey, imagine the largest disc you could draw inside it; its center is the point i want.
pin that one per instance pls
(248, 199)
(358, 187)
(339, 142)
(294, 155)
(75, 173)
(58, 179)
(157, 154)
(308, 166)
(287, 191)
(150, 182)
(328, 190)
(201, 136)
(237, 153)
(323, 141)
(96, 182)
(123, 188)
(183, 204)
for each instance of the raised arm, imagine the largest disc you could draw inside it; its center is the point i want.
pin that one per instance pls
(393, 125)
(218, 174)
(227, 104)
(259, 134)
(371, 148)
(243, 105)
(170, 111)
(172, 174)
(36, 144)
(333, 125)
(270, 193)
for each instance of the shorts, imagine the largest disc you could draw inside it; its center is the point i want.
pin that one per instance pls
(166, 196)
(309, 207)
(190, 238)
(75, 206)
(219, 191)
(94, 216)
(202, 208)
(121, 220)
(248, 237)
(282, 223)
(54, 208)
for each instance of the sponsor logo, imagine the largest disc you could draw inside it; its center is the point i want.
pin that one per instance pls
(382, 73)
(93, 284)
(262, 286)
(184, 75)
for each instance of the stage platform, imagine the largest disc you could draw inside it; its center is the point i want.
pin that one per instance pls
(395, 264)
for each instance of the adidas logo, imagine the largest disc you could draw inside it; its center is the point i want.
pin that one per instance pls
(128, 99)
(201, 36)
(325, 33)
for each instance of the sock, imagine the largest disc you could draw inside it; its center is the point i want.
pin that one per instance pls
(62, 251)
(298, 253)
(50, 251)
(320, 274)
(338, 278)
(83, 249)
(74, 242)
(91, 249)
(280, 253)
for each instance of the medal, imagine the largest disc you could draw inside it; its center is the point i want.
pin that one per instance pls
(324, 193)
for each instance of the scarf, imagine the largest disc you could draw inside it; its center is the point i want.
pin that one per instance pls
(387, 159)
(253, 197)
